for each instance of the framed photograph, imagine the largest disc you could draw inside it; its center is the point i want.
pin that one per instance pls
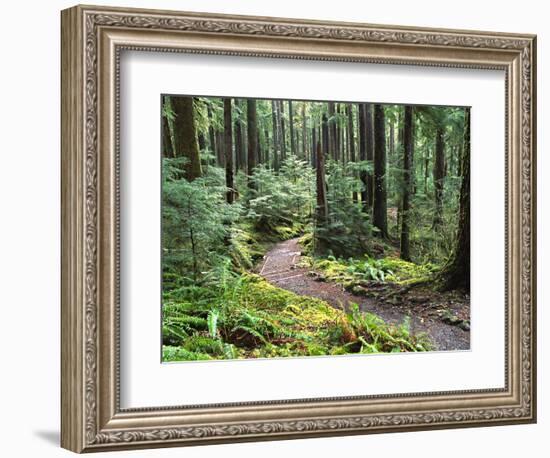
(278, 228)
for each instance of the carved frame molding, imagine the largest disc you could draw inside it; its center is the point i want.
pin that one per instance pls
(92, 39)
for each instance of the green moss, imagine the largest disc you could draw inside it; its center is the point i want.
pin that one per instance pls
(354, 273)
(306, 242)
(170, 354)
(286, 232)
(403, 271)
(258, 320)
(245, 249)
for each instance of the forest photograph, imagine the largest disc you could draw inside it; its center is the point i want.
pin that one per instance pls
(294, 228)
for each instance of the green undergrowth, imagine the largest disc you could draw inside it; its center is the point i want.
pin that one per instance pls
(246, 247)
(363, 272)
(243, 316)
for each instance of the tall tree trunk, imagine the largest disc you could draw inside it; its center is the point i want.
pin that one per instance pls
(244, 128)
(240, 161)
(399, 159)
(392, 140)
(202, 142)
(379, 215)
(167, 144)
(211, 133)
(331, 141)
(456, 272)
(459, 161)
(413, 166)
(291, 124)
(325, 136)
(363, 176)
(426, 166)
(167, 150)
(228, 148)
(266, 156)
(408, 152)
(321, 213)
(337, 151)
(276, 137)
(342, 134)
(439, 175)
(369, 123)
(344, 144)
(304, 131)
(280, 112)
(251, 119)
(314, 146)
(185, 136)
(351, 144)
(238, 143)
(202, 148)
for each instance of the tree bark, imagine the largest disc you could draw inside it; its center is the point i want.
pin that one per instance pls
(251, 118)
(313, 146)
(351, 144)
(185, 136)
(426, 166)
(380, 217)
(408, 152)
(413, 166)
(211, 133)
(340, 151)
(322, 210)
(240, 161)
(392, 140)
(167, 150)
(331, 131)
(202, 142)
(304, 132)
(280, 112)
(439, 175)
(291, 124)
(366, 154)
(228, 148)
(369, 126)
(266, 159)
(363, 156)
(167, 147)
(276, 138)
(325, 136)
(238, 144)
(337, 150)
(456, 272)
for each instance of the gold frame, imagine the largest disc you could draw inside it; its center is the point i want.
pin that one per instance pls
(92, 39)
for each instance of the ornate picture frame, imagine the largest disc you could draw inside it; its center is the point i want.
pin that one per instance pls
(92, 40)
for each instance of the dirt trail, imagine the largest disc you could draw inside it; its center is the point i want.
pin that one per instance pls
(280, 268)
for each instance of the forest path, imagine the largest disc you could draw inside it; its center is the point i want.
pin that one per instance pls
(280, 268)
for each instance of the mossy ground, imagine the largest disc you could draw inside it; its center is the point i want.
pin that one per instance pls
(240, 315)
(246, 317)
(364, 272)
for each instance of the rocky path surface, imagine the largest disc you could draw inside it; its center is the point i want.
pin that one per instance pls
(280, 267)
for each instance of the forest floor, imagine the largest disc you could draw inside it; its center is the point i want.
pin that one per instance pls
(436, 314)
